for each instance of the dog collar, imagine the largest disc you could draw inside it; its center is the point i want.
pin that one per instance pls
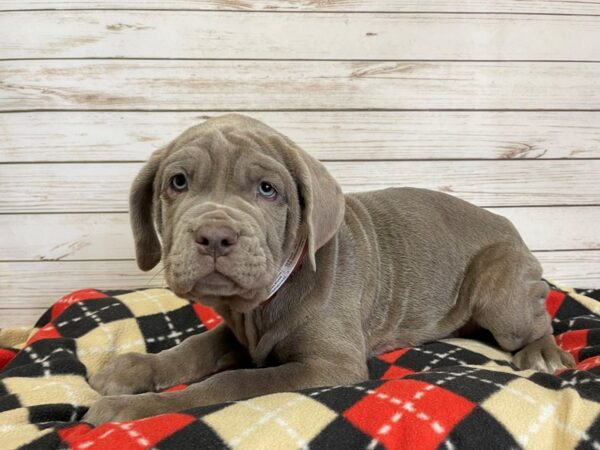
(291, 265)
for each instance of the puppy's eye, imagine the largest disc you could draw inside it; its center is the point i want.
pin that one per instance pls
(179, 182)
(267, 190)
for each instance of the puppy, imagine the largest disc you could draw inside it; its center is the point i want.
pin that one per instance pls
(310, 282)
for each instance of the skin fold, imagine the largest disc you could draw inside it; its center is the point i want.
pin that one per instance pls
(384, 269)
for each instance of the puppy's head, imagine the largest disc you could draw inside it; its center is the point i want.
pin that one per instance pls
(230, 200)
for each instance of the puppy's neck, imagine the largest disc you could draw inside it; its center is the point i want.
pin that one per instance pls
(298, 300)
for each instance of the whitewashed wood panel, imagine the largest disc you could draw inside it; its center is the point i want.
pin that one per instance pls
(265, 35)
(556, 228)
(483, 6)
(108, 236)
(94, 187)
(96, 247)
(65, 236)
(20, 317)
(341, 135)
(290, 85)
(576, 269)
(39, 284)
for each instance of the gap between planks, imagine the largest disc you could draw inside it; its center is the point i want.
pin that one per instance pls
(333, 6)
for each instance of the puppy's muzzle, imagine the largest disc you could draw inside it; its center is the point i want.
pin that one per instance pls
(216, 240)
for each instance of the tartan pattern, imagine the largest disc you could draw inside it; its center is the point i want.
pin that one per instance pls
(449, 394)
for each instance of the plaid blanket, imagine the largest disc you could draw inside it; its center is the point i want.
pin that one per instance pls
(449, 394)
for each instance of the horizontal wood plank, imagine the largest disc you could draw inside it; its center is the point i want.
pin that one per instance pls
(13, 317)
(556, 228)
(39, 284)
(94, 187)
(340, 135)
(292, 85)
(576, 269)
(66, 237)
(265, 35)
(473, 6)
(107, 235)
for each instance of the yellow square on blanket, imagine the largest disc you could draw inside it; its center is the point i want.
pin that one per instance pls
(96, 347)
(542, 418)
(297, 419)
(151, 301)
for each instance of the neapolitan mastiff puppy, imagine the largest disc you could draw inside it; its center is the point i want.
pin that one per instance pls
(238, 207)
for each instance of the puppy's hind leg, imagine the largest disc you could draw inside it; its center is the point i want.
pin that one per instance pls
(507, 297)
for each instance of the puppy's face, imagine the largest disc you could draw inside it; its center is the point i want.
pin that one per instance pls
(229, 211)
(230, 198)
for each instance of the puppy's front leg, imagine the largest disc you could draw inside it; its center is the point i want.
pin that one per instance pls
(224, 386)
(193, 359)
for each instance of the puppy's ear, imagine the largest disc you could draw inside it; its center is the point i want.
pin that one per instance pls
(323, 201)
(142, 211)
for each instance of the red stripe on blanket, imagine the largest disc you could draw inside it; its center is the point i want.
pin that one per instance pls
(47, 332)
(573, 341)
(69, 435)
(138, 434)
(392, 357)
(207, 316)
(553, 302)
(74, 297)
(589, 363)
(6, 356)
(396, 372)
(408, 414)
(178, 387)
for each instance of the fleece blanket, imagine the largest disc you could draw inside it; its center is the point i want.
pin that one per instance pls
(448, 394)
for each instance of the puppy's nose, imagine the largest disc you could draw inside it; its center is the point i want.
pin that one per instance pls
(216, 240)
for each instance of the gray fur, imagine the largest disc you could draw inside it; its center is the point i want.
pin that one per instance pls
(385, 269)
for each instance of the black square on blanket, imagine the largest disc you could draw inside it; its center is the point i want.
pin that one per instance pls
(82, 317)
(167, 329)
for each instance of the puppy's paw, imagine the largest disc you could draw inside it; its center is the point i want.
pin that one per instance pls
(543, 355)
(130, 373)
(119, 408)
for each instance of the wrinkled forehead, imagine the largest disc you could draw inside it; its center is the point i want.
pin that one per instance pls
(230, 137)
(234, 132)
(225, 149)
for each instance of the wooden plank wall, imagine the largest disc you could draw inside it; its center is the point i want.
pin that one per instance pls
(495, 102)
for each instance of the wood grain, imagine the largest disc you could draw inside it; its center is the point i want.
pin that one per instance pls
(292, 85)
(337, 135)
(39, 284)
(577, 268)
(98, 236)
(495, 102)
(473, 6)
(13, 317)
(94, 187)
(265, 35)
(95, 236)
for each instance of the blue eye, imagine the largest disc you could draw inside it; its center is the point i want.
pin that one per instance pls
(267, 190)
(179, 182)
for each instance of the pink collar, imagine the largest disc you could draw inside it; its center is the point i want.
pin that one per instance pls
(292, 265)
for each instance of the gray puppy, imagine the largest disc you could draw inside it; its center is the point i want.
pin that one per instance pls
(238, 206)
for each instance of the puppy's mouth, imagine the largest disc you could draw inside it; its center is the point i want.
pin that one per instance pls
(217, 289)
(216, 284)
(210, 281)
(203, 282)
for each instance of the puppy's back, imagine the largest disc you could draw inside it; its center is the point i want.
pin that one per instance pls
(425, 241)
